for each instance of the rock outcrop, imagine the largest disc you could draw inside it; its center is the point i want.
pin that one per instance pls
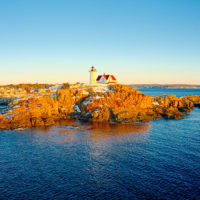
(172, 107)
(116, 103)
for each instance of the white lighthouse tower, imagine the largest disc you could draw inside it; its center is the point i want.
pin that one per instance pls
(93, 76)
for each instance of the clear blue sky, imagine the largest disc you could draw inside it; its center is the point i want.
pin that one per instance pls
(139, 41)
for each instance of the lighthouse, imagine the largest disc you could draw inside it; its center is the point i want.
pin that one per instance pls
(93, 76)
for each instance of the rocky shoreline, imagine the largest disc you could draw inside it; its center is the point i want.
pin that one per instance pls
(116, 104)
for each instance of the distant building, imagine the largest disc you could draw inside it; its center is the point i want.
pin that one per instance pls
(105, 79)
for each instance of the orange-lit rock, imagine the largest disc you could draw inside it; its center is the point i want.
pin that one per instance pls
(119, 104)
(1, 117)
(116, 103)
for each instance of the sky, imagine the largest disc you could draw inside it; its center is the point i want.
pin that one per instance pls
(138, 41)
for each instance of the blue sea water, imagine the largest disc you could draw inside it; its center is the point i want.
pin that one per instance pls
(177, 92)
(156, 160)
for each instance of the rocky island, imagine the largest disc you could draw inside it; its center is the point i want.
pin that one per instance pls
(115, 104)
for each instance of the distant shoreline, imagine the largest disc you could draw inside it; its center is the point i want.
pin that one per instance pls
(169, 86)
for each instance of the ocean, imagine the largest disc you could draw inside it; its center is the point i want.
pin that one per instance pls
(74, 160)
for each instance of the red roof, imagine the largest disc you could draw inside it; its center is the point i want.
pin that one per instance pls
(113, 78)
(99, 77)
(106, 77)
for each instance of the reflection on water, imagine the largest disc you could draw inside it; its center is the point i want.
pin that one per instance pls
(95, 131)
(101, 131)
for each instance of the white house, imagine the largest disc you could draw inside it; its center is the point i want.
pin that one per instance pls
(106, 79)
